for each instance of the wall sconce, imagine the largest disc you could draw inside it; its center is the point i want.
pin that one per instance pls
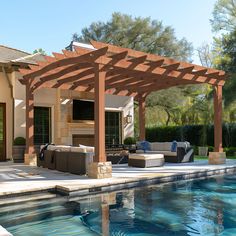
(128, 119)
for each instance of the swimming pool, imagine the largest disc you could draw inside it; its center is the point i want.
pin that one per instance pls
(199, 207)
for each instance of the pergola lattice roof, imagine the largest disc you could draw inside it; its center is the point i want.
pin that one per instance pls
(128, 72)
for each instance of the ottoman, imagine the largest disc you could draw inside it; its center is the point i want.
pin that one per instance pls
(146, 160)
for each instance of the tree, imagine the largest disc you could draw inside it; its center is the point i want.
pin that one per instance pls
(138, 33)
(224, 16)
(40, 50)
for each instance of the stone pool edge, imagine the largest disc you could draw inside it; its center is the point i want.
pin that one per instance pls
(141, 181)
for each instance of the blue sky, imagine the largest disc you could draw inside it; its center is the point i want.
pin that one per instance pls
(49, 24)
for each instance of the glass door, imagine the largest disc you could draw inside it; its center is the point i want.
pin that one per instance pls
(2, 132)
(113, 127)
(42, 125)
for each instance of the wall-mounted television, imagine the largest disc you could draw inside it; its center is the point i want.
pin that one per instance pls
(83, 110)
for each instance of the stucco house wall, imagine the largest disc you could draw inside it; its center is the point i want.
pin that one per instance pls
(6, 97)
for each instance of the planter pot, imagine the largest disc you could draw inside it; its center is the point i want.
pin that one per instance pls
(18, 153)
(203, 151)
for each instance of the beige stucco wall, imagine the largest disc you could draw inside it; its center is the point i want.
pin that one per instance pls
(61, 109)
(6, 97)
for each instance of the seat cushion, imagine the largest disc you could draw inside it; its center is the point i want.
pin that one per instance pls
(77, 149)
(146, 156)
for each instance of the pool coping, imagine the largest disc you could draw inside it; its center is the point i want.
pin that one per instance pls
(119, 183)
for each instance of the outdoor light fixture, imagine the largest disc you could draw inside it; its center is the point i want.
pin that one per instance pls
(128, 119)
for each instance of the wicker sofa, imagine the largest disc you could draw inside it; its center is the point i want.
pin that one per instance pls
(184, 152)
(66, 158)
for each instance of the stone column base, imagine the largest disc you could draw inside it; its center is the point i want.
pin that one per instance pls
(100, 170)
(30, 159)
(217, 158)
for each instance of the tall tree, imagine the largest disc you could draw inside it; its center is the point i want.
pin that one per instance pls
(224, 20)
(137, 33)
(224, 16)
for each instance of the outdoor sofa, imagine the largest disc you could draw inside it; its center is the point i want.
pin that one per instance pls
(70, 159)
(182, 153)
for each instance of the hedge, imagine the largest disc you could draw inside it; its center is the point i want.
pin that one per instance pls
(192, 134)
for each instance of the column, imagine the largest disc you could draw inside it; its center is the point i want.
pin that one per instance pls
(30, 156)
(218, 119)
(99, 116)
(99, 168)
(141, 118)
(218, 156)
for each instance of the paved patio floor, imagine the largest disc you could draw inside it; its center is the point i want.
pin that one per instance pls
(18, 178)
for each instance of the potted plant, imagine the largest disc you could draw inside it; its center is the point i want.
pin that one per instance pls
(130, 144)
(203, 149)
(18, 150)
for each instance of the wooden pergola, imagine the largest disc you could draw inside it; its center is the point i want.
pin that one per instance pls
(108, 69)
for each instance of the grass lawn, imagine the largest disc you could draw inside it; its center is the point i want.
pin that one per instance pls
(205, 158)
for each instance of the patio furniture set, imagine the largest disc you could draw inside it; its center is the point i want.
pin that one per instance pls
(75, 160)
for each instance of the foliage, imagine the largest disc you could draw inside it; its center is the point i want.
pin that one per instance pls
(138, 33)
(224, 15)
(19, 141)
(224, 20)
(129, 141)
(40, 50)
(192, 134)
(230, 151)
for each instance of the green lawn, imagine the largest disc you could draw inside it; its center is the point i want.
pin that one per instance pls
(205, 158)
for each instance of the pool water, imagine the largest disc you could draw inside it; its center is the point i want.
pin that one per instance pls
(200, 207)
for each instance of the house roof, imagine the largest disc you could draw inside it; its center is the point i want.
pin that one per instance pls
(13, 55)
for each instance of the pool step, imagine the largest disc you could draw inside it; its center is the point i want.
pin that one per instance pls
(35, 212)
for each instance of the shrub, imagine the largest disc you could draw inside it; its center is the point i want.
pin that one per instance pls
(210, 149)
(19, 141)
(192, 134)
(230, 151)
(129, 141)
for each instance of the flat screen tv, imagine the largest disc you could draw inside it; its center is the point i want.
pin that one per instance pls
(83, 110)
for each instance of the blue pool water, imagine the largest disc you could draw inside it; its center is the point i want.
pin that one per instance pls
(200, 207)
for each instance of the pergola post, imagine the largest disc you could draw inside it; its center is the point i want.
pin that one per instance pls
(30, 157)
(99, 106)
(218, 156)
(99, 168)
(218, 119)
(141, 118)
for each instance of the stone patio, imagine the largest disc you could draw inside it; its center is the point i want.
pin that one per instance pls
(17, 179)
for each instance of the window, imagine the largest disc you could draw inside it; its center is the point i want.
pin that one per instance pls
(42, 125)
(113, 127)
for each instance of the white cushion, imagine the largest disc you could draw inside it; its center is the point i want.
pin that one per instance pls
(160, 146)
(77, 149)
(60, 148)
(88, 148)
(51, 147)
(63, 148)
(146, 156)
(165, 153)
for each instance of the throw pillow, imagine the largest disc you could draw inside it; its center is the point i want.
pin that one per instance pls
(145, 146)
(173, 146)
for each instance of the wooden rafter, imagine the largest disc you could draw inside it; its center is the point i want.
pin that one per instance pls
(127, 71)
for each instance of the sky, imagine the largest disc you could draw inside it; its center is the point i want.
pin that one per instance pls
(49, 24)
